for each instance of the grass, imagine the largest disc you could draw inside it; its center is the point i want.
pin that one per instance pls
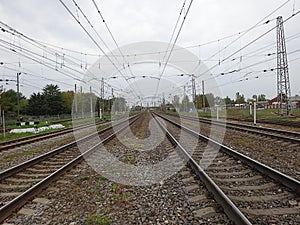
(130, 156)
(261, 114)
(11, 136)
(118, 195)
(83, 178)
(10, 157)
(143, 127)
(97, 219)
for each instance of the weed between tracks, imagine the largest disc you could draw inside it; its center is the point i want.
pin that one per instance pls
(34, 152)
(10, 157)
(97, 219)
(143, 130)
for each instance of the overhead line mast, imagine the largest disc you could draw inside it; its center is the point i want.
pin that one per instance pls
(283, 80)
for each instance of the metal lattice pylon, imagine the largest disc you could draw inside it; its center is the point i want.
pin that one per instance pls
(283, 82)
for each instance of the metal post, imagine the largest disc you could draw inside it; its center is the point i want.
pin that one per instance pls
(184, 102)
(18, 93)
(81, 101)
(194, 92)
(101, 98)
(75, 99)
(254, 109)
(91, 101)
(250, 108)
(283, 81)
(217, 112)
(203, 96)
(3, 124)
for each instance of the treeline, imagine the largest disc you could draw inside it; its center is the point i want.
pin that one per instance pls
(209, 100)
(52, 101)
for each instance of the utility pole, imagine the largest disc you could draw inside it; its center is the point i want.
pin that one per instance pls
(81, 101)
(91, 101)
(75, 99)
(254, 112)
(102, 97)
(184, 101)
(194, 92)
(203, 96)
(18, 94)
(283, 81)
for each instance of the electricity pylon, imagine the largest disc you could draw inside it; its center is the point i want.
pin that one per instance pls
(283, 81)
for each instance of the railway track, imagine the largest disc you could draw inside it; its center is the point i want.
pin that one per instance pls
(289, 136)
(24, 181)
(249, 191)
(265, 121)
(4, 146)
(179, 187)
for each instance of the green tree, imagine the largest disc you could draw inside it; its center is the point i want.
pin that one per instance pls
(67, 100)
(176, 101)
(261, 97)
(239, 98)
(185, 103)
(228, 100)
(209, 100)
(9, 102)
(36, 105)
(53, 99)
(118, 105)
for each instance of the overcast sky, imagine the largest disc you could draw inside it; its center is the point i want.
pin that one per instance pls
(134, 21)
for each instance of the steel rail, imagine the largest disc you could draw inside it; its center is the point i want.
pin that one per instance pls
(25, 140)
(13, 170)
(280, 177)
(30, 193)
(228, 206)
(252, 129)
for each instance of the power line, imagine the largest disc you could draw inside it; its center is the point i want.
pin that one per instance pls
(113, 38)
(178, 33)
(174, 29)
(90, 36)
(250, 43)
(247, 31)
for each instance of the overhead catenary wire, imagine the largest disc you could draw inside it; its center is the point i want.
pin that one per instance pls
(93, 40)
(173, 45)
(174, 30)
(114, 40)
(248, 44)
(247, 31)
(40, 59)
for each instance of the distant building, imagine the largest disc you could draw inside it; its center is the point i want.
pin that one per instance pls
(294, 102)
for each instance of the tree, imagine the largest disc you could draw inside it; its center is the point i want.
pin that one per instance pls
(53, 99)
(49, 102)
(209, 100)
(175, 101)
(228, 101)
(9, 102)
(239, 99)
(36, 104)
(185, 104)
(119, 105)
(67, 100)
(261, 97)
